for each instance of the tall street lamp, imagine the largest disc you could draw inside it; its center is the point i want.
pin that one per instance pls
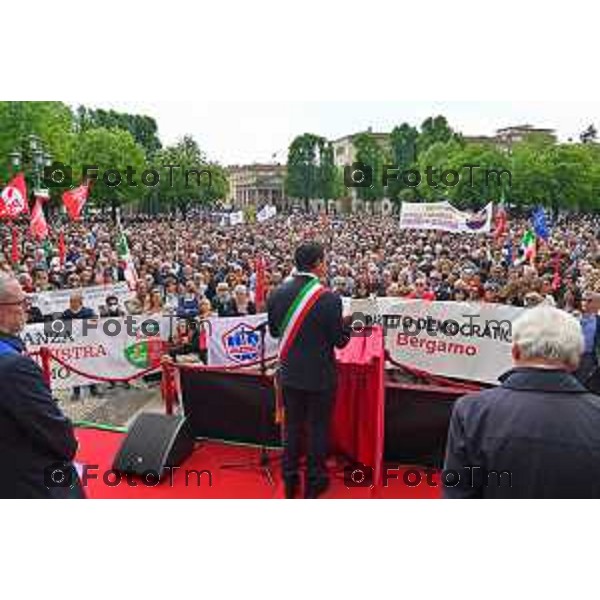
(35, 158)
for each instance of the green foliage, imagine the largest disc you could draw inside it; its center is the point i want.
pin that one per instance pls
(434, 161)
(303, 170)
(109, 149)
(484, 175)
(434, 130)
(403, 149)
(186, 178)
(331, 181)
(371, 153)
(143, 128)
(52, 122)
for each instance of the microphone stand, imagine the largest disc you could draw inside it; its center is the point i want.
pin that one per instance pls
(264, 462)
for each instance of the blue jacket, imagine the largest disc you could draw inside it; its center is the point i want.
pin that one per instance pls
(35, 436)
(537, 435)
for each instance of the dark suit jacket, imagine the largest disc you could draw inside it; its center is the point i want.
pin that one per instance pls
(541, 426)
(310, 363)
(34, 434)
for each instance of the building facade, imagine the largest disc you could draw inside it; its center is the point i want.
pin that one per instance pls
(256, 185)
(507, 136)
(345, 154)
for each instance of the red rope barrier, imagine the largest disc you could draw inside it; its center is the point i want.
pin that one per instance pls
(437, 379)
(45, 356)
(77, 371)
(223, 369)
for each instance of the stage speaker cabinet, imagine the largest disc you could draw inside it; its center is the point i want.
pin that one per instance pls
(154, 442)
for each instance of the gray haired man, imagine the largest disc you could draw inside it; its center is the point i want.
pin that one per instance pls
(537, 435)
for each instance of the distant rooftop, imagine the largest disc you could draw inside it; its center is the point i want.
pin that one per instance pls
(525, 128)
(369, 131)
(256, 167)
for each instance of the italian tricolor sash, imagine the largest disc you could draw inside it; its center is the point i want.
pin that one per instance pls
(295, 316)
(297, 313)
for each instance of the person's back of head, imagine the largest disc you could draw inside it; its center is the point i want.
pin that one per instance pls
(546, 337)
(309, 256)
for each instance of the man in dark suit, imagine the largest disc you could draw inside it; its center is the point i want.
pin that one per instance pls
(538, 434)
(37, 443)
(307, 370)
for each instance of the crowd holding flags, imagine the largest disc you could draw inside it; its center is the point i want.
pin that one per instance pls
(124, 254)
(38, 226)
(14, 202)
(74, 200)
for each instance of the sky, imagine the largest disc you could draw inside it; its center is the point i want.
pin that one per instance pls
(251, 131)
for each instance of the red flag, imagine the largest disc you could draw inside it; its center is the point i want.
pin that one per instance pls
(62, 249)
(15, 254)
(261, 288)
(13, 200)
(38, 226)
(75, 200)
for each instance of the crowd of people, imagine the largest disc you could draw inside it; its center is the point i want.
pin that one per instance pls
(196, 267)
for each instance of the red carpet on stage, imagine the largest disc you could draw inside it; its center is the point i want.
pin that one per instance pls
(98, 448)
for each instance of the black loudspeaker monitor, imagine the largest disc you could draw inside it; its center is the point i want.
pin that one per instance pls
(154, 442)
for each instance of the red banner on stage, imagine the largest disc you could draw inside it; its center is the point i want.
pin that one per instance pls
(358, 418)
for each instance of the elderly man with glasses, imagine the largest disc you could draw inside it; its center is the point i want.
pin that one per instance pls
(37, 443)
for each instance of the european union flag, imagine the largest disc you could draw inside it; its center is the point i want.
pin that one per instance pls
(540, 224)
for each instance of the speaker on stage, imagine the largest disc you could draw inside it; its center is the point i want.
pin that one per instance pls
(154, 442)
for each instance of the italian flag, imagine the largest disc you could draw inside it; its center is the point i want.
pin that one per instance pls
(528, 247)
(125, 256)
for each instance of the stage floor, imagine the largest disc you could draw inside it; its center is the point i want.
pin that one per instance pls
(97, 448)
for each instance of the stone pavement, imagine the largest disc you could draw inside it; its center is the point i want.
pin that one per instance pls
(116, 407)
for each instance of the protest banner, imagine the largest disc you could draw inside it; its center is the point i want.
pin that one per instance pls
(455, 339)
(469, 341)
(94, 297)
(103, 347)
(442, 216)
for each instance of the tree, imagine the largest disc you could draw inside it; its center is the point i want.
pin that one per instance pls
(589, 135)
(430, 166)
(331, 183)
(532, 171)
(484, 175)
(372, 154)
(187, 179)
(110, 150)
(572, 177)
(403, 149)
(143, 128)
(435, 130)
(52, 122)
(303, 180)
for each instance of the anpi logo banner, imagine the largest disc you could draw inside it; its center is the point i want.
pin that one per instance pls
(236, 341)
